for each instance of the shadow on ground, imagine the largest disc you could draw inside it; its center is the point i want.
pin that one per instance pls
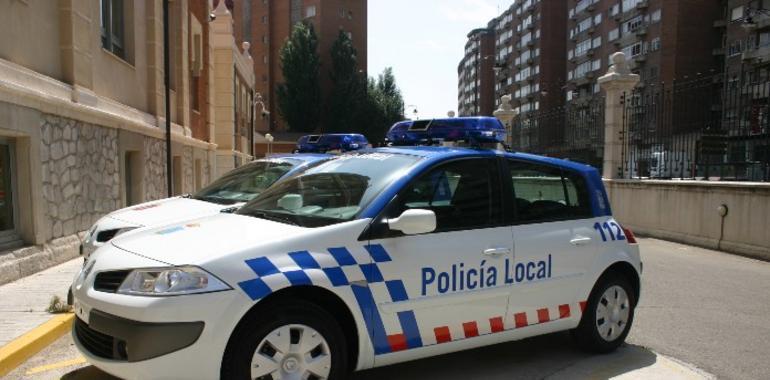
(551, 356)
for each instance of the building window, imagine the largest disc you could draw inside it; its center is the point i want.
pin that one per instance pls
(613, 34)
(264, 19)
(310, 11)
(113, 27)
(736, 13)
(655, 17)
(655, 44)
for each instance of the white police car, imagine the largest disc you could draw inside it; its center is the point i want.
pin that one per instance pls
(373, 258)
(231, 190)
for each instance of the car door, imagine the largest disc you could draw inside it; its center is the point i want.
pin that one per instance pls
(553, 242)
(446, 285)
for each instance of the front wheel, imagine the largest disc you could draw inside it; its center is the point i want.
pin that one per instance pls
(608, 315)
(296, 340)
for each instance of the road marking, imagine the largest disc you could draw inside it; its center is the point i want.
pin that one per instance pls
(52, 366)
(27, 345)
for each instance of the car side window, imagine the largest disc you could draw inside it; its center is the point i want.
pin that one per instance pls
(463, 194)
(543, 193)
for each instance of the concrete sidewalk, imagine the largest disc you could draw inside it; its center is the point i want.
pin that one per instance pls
(23, 303)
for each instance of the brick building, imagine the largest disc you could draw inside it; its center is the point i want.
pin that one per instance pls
(268, 23)
(476, 74)
(663, 40)
(530, 45)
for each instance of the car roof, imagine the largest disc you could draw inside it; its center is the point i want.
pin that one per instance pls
(439, 153)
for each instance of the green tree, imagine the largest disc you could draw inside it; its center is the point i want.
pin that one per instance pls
(299, 96)
(347, 97)
(390, 97)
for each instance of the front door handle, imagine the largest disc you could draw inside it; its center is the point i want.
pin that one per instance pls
(580, 240)
(496, 252)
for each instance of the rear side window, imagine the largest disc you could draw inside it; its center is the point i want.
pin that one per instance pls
(543, 193)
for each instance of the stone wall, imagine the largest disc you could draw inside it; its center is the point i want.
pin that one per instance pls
(80, 174)
(154, 169)
(686, 211)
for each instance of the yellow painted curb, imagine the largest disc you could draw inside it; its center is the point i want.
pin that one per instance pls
(22, 348)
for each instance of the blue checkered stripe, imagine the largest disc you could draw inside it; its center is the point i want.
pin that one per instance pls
(341, 270)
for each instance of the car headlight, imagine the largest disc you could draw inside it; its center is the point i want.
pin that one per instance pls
(171, 281)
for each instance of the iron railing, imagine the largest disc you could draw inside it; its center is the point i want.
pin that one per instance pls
(700, 128)
(574, 131)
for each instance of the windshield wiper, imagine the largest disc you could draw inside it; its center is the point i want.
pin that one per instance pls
(229, 210)
(217, 200)
(275, 217)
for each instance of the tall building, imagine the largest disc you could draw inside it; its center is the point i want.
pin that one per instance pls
(268, 23)
(475, 88)
(530, 45)
(745, 27)
(663, 41)
(82, 115)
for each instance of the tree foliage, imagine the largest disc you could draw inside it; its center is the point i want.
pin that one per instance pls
(299, 96)
(355, 103)
(347, 97)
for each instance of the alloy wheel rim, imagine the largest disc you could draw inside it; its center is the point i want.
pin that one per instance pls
(612, 313)
(292, 352)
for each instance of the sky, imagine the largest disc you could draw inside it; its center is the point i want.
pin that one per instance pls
(424, 41)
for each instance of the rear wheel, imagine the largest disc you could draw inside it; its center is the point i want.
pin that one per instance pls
(288, 341)
(608, 315)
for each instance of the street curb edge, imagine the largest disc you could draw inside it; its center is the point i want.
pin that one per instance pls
(22, 348)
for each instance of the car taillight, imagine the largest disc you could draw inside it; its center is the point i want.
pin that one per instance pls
(629, 235)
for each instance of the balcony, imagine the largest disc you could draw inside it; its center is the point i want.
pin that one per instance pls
(720, 51)
(720, 23)
(642, 5)
(641, 58)
(531, 44)
(618, 17)
(761, 53)
(530, 61)
(641, 31)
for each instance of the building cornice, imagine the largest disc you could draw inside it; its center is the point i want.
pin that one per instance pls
(27, 88)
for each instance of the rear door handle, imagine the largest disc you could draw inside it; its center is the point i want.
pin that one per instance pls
(580, 240)
(495, 252)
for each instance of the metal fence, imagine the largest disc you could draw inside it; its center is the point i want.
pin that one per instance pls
(574, 131)
(701, 128)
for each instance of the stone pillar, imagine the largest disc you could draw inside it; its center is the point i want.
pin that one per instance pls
(506, 114)
(618, 81)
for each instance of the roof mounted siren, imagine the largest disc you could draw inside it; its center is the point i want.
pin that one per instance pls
(473, 132)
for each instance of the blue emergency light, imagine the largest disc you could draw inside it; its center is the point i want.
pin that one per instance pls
(343, 142)
(472, 130)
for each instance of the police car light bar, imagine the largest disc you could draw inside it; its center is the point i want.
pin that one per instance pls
(475, 131)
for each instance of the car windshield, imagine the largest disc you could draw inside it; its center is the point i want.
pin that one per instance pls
(332, 192)
(246, 182)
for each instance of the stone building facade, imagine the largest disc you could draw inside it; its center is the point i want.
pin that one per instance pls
(82, 117)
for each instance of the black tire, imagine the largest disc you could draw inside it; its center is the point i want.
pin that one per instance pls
(257, 325)
(587, 334)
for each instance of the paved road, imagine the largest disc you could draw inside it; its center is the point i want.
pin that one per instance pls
(698, 306)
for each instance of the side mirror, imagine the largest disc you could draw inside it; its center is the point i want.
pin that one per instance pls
(290, 202)
(414, 222)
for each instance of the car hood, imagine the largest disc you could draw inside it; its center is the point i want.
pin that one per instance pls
(166, 211)
(200, 240)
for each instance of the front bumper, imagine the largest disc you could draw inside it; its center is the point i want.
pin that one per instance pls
(111, 337)
(134, 337)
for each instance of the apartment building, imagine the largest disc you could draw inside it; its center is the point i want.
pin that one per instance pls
(663, 41)
(268, 23)
(475, 88)
(82, 115)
